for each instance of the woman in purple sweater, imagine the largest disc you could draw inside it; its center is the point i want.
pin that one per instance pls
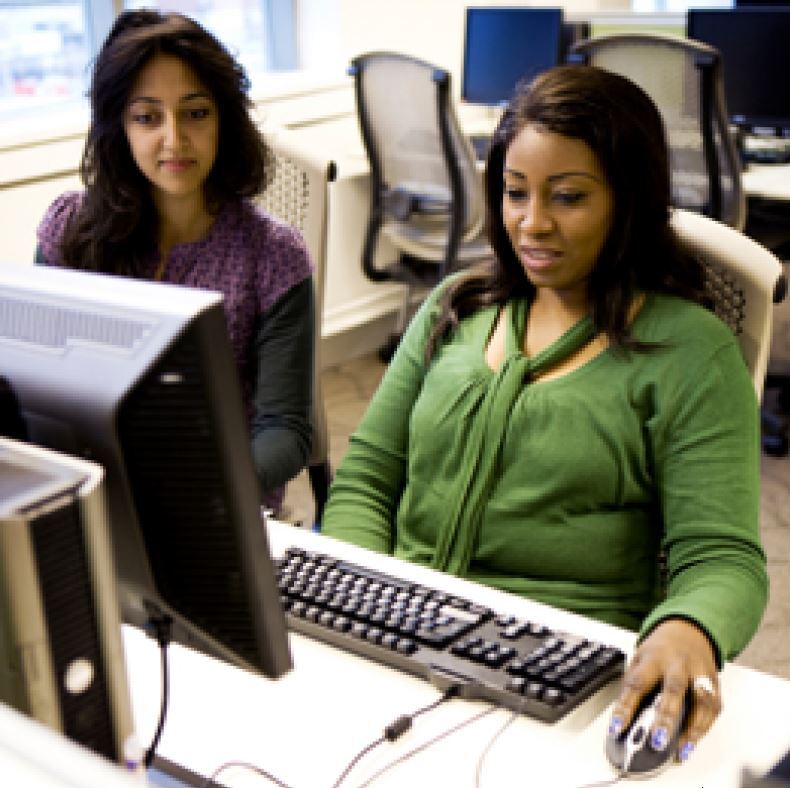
(171, 162)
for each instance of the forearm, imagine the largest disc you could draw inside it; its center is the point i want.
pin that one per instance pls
(709, 462)
(281, 429)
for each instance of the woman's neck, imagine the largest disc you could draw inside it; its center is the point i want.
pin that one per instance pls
(182, 221)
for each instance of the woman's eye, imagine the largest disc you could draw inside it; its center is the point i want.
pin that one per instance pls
(143, 118)
(199, 113)
(515, 194)
(569, 198)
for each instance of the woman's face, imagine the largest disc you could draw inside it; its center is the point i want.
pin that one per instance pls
(557, 208)
(172, 125)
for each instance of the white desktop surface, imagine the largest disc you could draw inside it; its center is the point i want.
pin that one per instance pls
(306, 727)
(770, 181)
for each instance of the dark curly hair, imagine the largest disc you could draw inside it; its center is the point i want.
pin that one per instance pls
(116, 228)
(623, 128)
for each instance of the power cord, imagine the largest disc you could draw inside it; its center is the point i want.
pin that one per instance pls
(160, 627)
(396, 729)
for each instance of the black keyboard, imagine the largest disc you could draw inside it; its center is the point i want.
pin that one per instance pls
(448, 640)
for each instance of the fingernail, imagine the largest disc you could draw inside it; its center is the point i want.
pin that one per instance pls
(615, 726)
(659, 739)
(686, 750)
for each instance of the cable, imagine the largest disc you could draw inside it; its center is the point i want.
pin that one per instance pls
(499, 732)
(603, 783)
(251, 766)
(395, 730)
(160, 627)
(430, 743)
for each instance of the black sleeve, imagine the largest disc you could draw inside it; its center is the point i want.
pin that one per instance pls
(283, 392)
(39, 259)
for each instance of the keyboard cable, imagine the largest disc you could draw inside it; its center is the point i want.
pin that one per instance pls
(396, 729)
(392, 732)
(424, 746)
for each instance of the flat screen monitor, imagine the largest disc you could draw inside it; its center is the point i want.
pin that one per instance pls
(756, 60)
(506, 45)
(139, 377)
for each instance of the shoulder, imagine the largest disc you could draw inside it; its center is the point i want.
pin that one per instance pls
(53, 224)
(277, 245)
(682, 324)
(276, 250)
(280, 239)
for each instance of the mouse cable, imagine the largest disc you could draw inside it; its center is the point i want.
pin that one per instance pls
(244, 765)
(160, 628)
(425, 745)
(604, 783)
(505, 725)
(396, 729)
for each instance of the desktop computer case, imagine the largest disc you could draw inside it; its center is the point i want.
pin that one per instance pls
(61, 654)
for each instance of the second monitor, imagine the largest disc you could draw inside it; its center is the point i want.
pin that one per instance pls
(505, 45)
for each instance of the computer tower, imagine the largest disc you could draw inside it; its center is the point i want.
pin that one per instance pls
(61, 653)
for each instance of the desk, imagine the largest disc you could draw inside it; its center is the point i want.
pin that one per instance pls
(769, 181)
(306, 727)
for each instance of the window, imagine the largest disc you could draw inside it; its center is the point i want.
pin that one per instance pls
(46, 48)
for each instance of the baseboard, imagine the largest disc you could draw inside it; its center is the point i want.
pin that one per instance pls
(358, 341)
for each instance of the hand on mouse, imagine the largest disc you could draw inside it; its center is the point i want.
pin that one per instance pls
(678, 656)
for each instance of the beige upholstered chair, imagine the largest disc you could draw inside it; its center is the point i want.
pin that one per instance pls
(743, 278)
(298, 196)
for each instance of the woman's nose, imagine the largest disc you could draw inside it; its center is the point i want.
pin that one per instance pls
(536, 218)
(172, 131)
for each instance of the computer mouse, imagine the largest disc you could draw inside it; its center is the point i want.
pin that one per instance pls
(631, 753)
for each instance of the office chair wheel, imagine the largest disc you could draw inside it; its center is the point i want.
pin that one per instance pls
(776, 445)
(783, 399)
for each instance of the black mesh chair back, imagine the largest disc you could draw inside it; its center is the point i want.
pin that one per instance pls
(684, 79)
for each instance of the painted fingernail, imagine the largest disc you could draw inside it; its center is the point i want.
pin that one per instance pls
(616, 726)
(686, 750)
(659, 739)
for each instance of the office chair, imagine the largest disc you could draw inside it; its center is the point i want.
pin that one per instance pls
(769, 223)
(684, 79)
(743, 279)
(298, 195)
(426, 193)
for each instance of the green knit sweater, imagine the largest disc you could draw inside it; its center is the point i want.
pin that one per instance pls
(564, 490)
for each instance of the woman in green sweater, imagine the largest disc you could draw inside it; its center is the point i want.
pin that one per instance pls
(553, 421)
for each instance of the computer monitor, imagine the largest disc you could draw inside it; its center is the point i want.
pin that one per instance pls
(756, 59)
(506, 45)
(139, 377)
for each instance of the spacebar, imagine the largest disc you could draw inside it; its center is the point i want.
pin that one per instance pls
(372, 574)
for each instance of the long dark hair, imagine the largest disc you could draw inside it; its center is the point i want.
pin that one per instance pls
(623, 128)
(116, 228)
